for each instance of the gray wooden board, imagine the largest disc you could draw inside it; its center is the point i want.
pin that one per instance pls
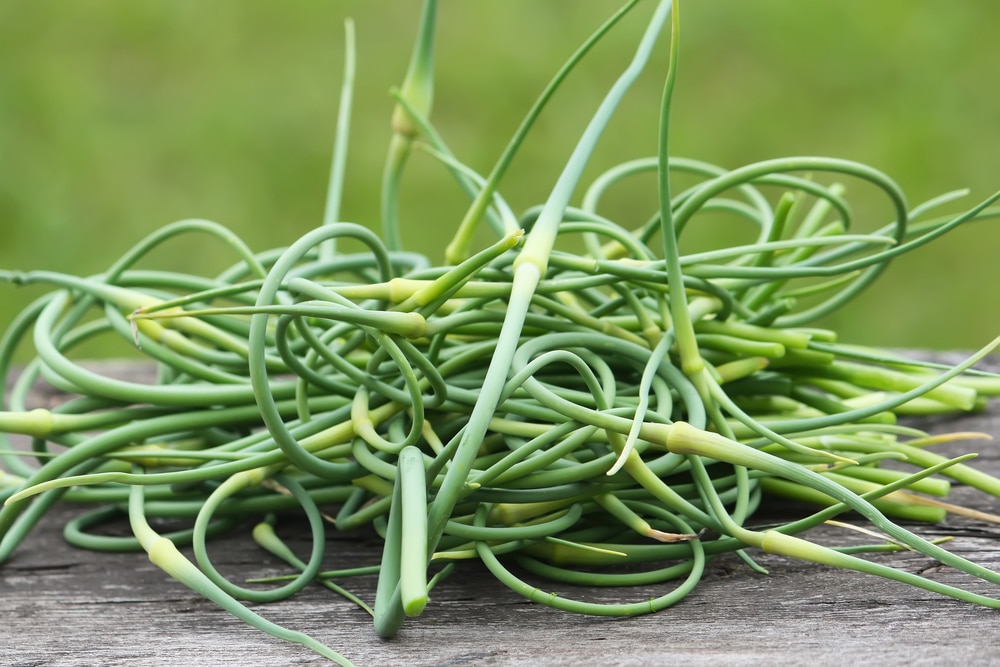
(65, 607)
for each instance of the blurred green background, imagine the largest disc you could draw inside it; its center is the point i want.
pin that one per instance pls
(118, 116)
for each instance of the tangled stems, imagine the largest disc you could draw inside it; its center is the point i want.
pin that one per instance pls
(528, 270)
(568, 412)
(686, 440)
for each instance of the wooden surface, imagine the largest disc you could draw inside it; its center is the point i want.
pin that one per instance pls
(64, 607)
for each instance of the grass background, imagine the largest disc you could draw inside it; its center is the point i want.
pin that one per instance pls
(118, 116)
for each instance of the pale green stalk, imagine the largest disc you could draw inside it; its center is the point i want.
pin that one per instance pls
(335, 189)
(656, 357)
(411, 476)
(418, 90)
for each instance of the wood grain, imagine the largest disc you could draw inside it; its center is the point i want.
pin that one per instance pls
(64, 607)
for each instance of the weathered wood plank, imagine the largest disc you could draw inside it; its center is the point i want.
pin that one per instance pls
(65, 607)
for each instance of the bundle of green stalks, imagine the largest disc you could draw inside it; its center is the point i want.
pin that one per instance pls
(519, 404)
